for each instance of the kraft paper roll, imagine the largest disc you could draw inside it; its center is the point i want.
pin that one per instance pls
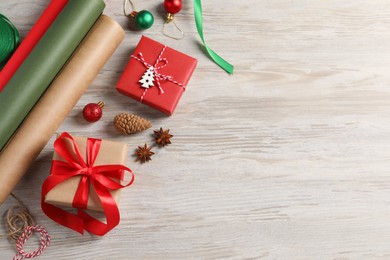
(47, 115)
(32, 38)
(44, 62)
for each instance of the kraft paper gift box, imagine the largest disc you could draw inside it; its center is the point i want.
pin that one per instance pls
(109, 153)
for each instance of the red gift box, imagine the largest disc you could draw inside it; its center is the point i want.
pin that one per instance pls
(156, 75)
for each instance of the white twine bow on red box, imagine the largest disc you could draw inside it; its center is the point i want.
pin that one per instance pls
(151, 74)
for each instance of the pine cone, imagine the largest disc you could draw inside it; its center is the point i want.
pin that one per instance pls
(131, 124)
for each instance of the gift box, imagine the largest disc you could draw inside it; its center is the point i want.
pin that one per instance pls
(109, 153)
(156, 75)
(86, 174)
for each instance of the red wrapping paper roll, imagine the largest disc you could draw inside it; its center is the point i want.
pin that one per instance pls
(32, 38)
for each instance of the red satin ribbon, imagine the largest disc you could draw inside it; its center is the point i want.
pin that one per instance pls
(99, 176)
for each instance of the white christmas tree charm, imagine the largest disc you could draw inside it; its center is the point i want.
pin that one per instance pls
(148, 78)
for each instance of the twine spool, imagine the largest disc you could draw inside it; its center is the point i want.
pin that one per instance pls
(17, 219)
(20, 226)
(45, 241)
(9, 40)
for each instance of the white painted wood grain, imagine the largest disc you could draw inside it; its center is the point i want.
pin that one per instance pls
(286, 159)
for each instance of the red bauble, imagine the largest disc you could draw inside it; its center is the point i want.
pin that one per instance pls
(93, 112)
(173, 6)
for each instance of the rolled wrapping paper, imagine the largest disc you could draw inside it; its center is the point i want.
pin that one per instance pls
(32, 38)
(44, 62)
(47, 115)
(9, 40)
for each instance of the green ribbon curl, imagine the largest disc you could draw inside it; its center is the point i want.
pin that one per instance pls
(215, 57)
(9, 40)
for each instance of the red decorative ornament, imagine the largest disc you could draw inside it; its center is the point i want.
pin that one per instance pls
(173, 6)
(92, 112)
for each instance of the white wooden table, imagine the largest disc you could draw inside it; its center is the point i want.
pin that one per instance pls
(286, 159)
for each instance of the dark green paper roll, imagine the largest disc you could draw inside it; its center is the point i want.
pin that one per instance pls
(44, 62)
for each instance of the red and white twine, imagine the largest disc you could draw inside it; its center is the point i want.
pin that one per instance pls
(44, 242)
(155, 68)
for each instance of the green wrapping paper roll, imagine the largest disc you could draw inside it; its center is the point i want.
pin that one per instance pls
(44, 62)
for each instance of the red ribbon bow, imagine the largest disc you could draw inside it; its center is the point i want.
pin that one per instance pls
(101, 177)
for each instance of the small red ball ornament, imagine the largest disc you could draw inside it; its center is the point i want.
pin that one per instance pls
(173, 6)
(92, 112)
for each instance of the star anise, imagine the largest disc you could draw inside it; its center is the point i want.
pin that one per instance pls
(143, 153)
(162, 137)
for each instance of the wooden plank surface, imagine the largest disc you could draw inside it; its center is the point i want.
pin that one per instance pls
(286, 159)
